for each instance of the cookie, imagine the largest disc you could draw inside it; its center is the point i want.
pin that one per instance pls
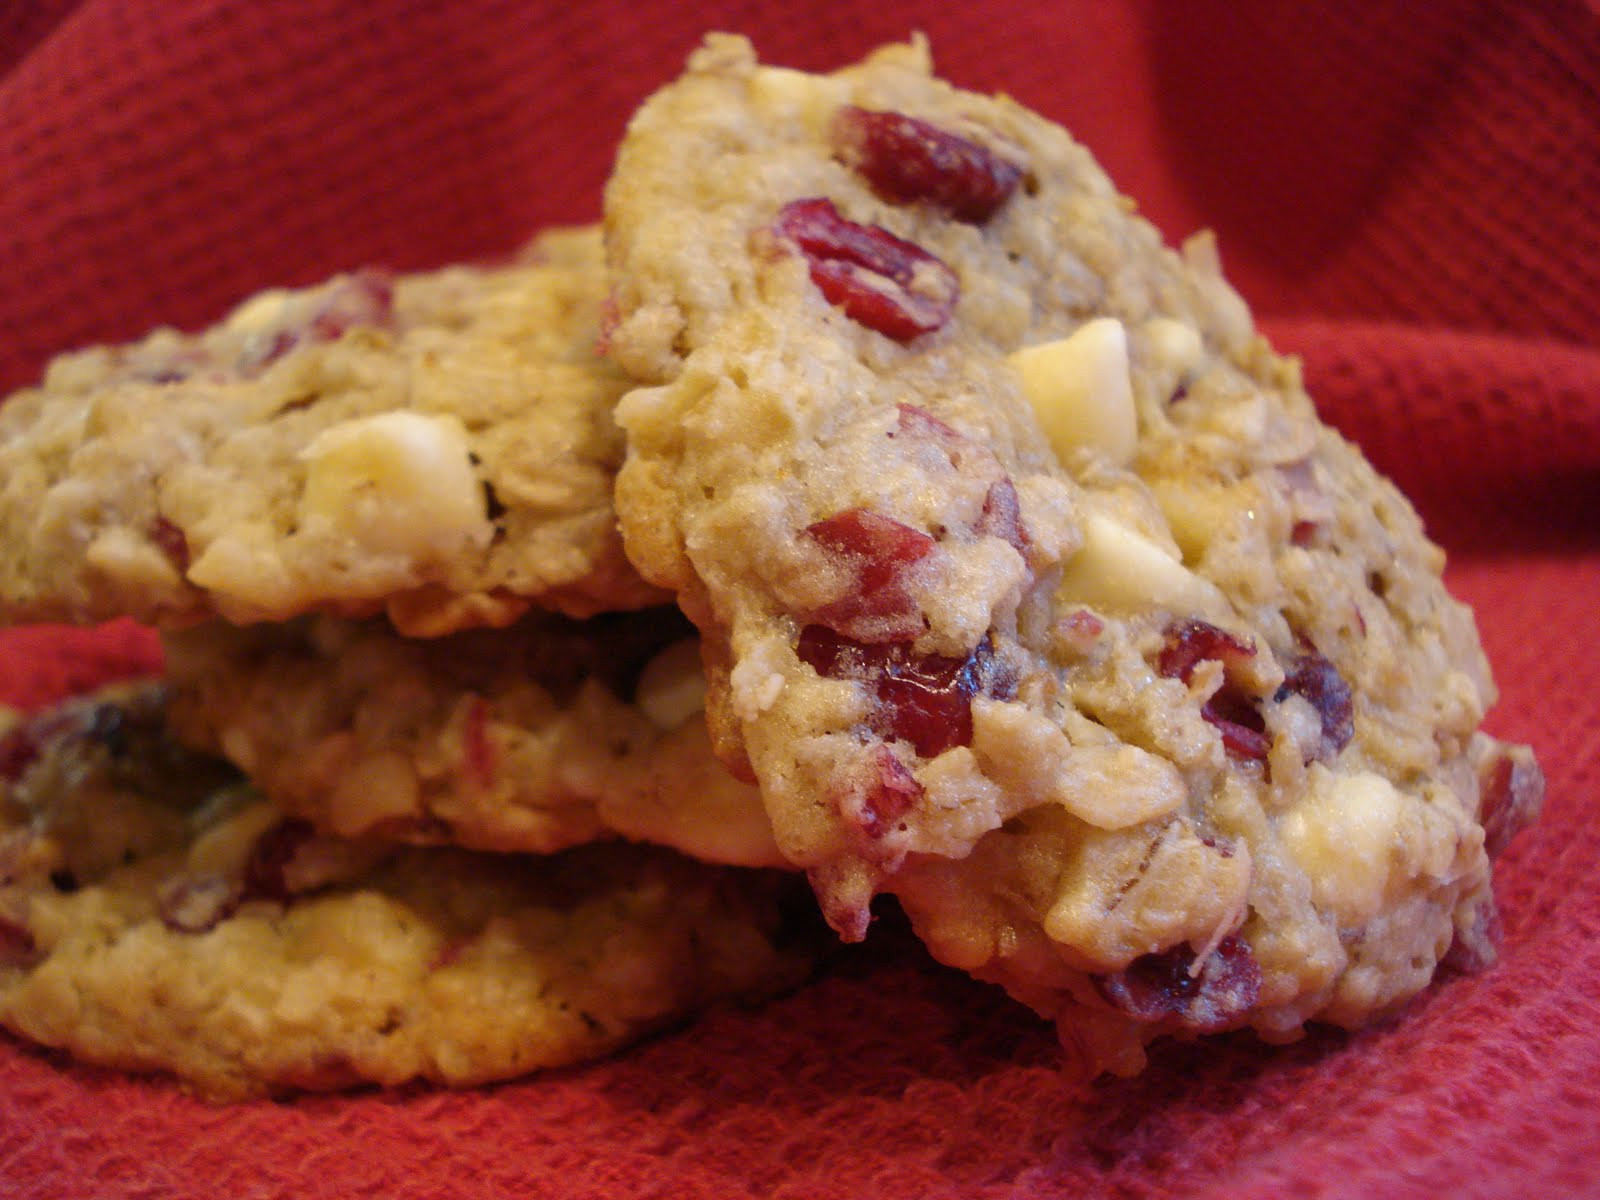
(436, 446)
(152, 922)
(1033, 589)
(543, 735)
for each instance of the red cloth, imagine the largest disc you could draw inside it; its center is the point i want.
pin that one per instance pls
(1406, 193)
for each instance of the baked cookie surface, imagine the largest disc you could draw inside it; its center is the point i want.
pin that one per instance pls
(536, 737)
(1033, 589)
(156, 915)
(435, 446)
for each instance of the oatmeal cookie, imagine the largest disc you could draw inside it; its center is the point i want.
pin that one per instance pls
(1033, 589)
(154, 922)
(436, 446)
(543, 735)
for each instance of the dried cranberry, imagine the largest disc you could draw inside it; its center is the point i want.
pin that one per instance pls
(1240, 722)
(17, 947)
(478, 748)
(1511, 787)
(20, 748)
(1193, 641)
(890, 794)
(1318, 681)
(923, 699)
(170, 540)
(919, 422)
(1303, 532)
(1079, 630)
(1002, 516)
(907, 160)
(1233, 711)
(883, 282)
(877, 551)
(1166, 987)
(364, 298)
(266, 872)
(1474, 948)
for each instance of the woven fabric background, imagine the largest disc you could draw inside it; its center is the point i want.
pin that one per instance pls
(1407, 195)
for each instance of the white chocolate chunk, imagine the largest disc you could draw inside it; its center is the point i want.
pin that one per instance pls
(694, 805)
(784, 93)
(1109, 785)
(261, 312)
(672, 687)
(1196, 512)
(399, 482)
(1081, 390)
(1119, 570)
(1174, 347)
(1343, 835)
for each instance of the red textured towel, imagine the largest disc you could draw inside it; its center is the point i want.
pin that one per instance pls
(1405, 192)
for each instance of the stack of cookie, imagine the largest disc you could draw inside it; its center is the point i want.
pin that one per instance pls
(411, 682)
(974, 549)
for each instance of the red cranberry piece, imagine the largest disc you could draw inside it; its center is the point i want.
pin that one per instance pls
(878, 551)
(1240, 723)
(170, 540)
(1512, 793)
(925, 700)
(1232, 710)
(1474, 948)
(266, 873)
(1193, 641)
(1165, 986)
(365, 297)
(919, 422)
(1078, 631)
(883, 282)
(1318, 680)
(1303, 532)
(907, 160)
(17, 947)
(1002, 516)
(478, 749)
(890, 794)
(20, 748)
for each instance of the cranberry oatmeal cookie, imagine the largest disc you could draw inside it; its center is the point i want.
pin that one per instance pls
(1032, 589)
(543, 735)
(437, 446)
(157, 915)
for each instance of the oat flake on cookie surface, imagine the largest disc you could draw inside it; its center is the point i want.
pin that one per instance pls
(1033, 590)
(157, 915)
(436, 446)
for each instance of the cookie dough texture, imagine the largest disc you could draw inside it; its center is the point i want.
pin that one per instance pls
(540, 736)
(436, 446)
(1065, 619)
(148, 928)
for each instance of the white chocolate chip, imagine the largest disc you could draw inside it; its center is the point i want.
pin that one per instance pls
(694, 805)
(783, 93)
(1081, 390)
(262, 312)
(672, 687)
(1120, 570)
(1175, 348)
(1195, 512)
(1343, 835)
(399, 482)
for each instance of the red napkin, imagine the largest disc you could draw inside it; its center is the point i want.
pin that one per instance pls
(1406, 194)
